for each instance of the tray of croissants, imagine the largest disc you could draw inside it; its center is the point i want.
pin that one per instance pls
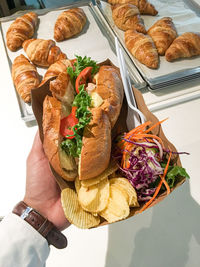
(161, 37)
(38, 44)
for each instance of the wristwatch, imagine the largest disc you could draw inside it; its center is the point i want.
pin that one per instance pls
(41, 224)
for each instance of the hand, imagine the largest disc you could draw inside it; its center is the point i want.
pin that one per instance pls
(42, 191)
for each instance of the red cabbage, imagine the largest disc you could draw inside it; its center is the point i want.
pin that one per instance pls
(144, 168)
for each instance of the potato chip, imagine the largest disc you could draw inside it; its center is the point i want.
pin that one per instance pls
(74, 212)
(77, 184)
(88, 196)
(124, 185)
(94, 198)
(111, 168)
(117, 208)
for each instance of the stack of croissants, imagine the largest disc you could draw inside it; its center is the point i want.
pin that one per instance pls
(40, 52)
(146, 46)
(160, 39)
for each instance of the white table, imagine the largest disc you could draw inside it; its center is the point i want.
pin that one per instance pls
(165, 235)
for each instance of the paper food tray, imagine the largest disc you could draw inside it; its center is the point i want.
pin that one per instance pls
(122, 124)
(168, 73)
(94, 41)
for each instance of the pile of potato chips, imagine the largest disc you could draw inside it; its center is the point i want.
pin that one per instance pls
(104, 197)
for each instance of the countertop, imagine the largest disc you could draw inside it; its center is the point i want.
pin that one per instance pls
(166, 235)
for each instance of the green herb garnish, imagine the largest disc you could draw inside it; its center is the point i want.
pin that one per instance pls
(173, 173)
(82, 101)
(80, 64)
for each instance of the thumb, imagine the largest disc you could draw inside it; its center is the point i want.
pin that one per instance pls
(37, 148)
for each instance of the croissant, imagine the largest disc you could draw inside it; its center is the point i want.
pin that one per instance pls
(143, 5)
(21, 29)
(69, 23)
(25, 77)
(186, 45)
(55, 69)
(42, 52)
(142, 47)
(163, 33)
(127, 17)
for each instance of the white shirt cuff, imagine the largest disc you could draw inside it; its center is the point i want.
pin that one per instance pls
(21, 244)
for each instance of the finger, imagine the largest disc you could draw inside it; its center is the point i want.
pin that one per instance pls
(37, 144)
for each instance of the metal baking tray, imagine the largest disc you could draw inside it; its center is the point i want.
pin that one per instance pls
(96, 41)
(168, 74)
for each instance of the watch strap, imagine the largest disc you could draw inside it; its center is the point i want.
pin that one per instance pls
(41, 224)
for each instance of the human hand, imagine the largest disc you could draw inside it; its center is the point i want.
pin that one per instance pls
(42, 192)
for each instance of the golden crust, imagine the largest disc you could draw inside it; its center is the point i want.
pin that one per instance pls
(143, 5)
(25, 77)
(184, 46)
(142, 47)
(163, 33)
(21, 29)
(69, 23)
(127, 17)
(42, 52)
(96, 149)
(51, 130)
(55, 69)
(109, 86)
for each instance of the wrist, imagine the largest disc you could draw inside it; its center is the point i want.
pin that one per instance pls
(36, 206)
(41, 224)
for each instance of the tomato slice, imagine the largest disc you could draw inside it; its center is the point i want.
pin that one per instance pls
(67, 123)
(84, 76)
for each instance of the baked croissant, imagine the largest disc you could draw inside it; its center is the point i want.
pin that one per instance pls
(163, 33)
(56, 68)
(25, 77)
(69, 23)
(186, 45)
(42, 52)
(142, 47)
(143, 5)
(21, 29)
(127, 17)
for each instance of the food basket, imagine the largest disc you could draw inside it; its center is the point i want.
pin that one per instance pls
(121, 125)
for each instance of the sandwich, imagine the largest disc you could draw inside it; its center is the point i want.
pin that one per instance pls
(79, 116)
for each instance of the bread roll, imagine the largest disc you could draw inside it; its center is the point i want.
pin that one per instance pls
(96, 148)
(62, 88)
(109, 86)
(55, 69)
(62, 163)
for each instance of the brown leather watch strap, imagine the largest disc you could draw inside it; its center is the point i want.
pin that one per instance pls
(41, 224)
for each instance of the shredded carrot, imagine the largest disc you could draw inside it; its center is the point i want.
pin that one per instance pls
(156, 124)
(137, 129)
(137, 134)
(151, 136)
(159, 185)
(154, 196)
